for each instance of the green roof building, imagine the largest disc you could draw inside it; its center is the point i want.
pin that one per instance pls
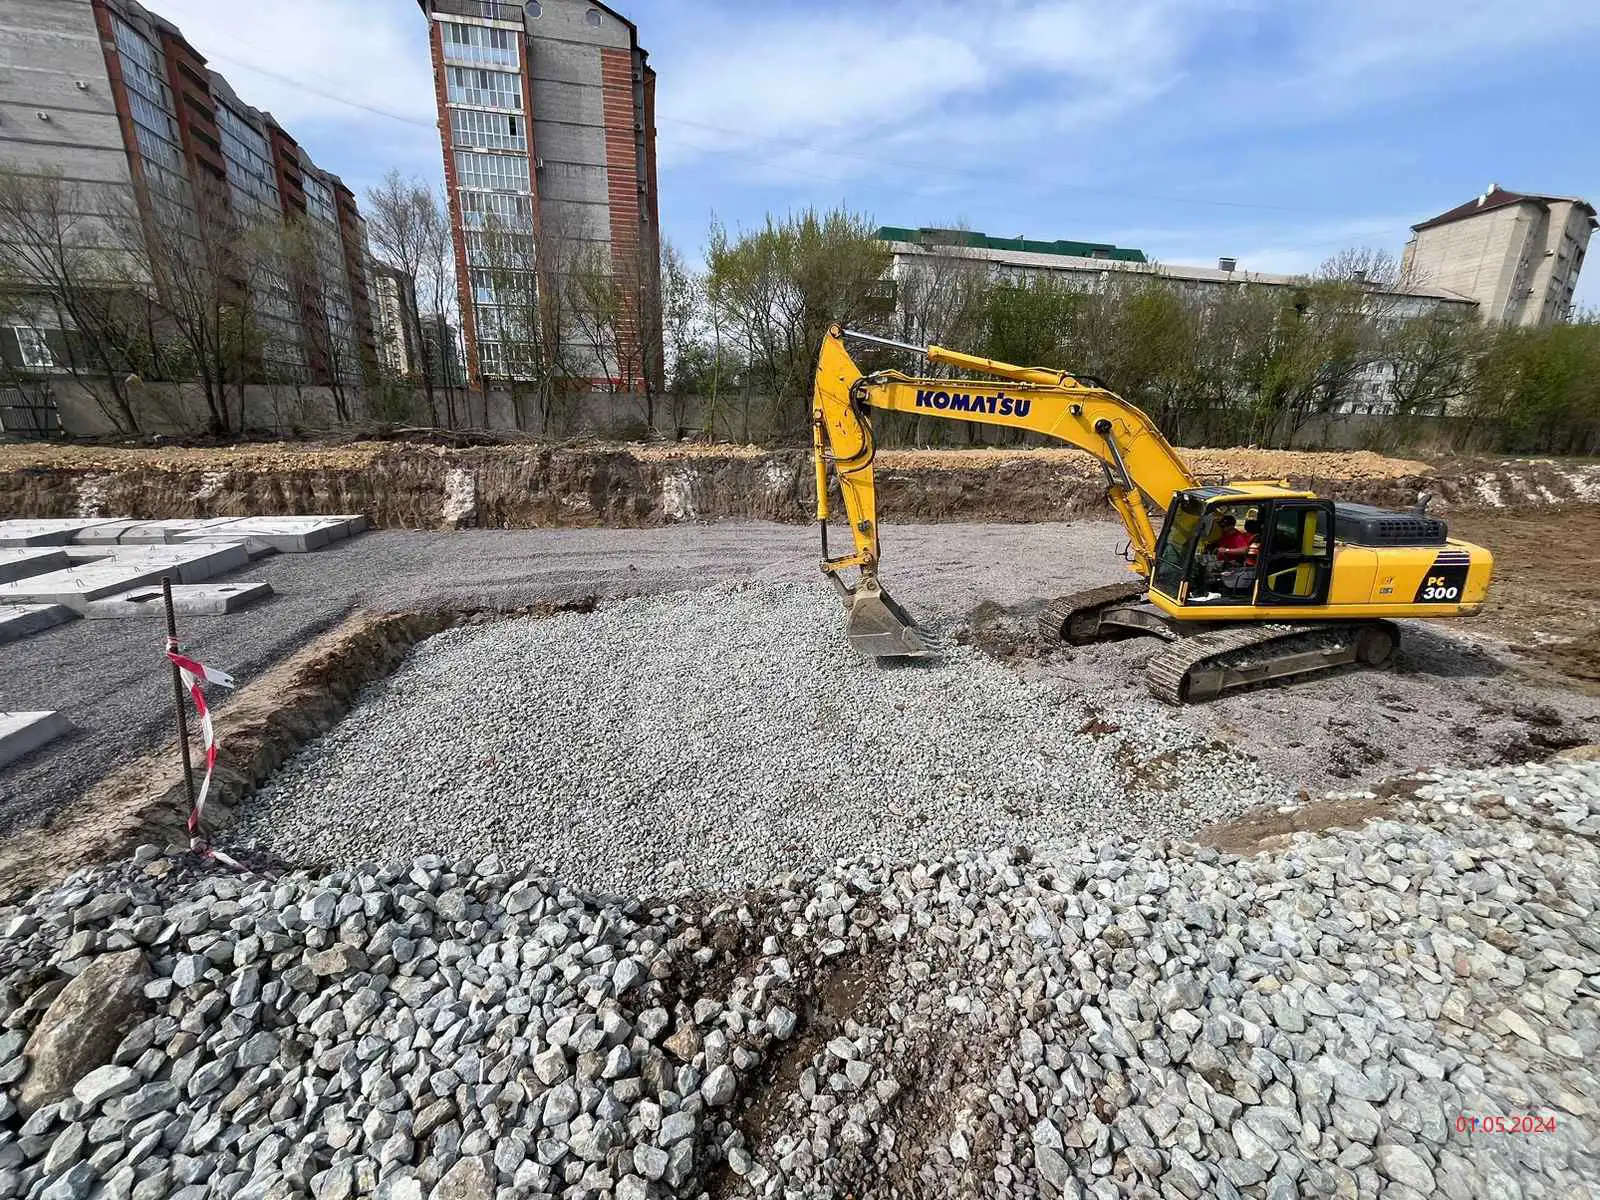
(982, 241)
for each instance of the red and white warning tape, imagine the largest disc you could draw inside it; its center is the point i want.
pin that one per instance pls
(193, 673)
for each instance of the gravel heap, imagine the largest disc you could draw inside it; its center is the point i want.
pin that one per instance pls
(1144, 1019)
(719, 736)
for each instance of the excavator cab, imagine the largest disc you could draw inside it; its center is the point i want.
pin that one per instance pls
(1281, 556)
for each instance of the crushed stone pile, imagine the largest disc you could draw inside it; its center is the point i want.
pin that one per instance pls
(718, 736)
(1144, 1019)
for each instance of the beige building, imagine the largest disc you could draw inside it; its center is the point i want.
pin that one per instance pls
(1517, 255)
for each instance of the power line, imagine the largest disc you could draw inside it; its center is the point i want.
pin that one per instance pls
(324, 94)
(805, 147)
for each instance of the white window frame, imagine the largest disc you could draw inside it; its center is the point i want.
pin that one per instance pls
(34, 349)
(480, 129)
(484, 172)
(474, 86)
(479, 45)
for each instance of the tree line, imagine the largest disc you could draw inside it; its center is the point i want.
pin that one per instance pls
(194, 286)
(1225, 364)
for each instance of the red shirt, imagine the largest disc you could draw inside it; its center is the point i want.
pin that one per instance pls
(1234, 540)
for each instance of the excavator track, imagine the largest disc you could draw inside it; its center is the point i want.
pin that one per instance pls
(1204, 665)
(1056, 621)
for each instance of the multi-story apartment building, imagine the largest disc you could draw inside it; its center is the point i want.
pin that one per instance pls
(113, 98)
(394, 323)
(1517, 254)
(547, 121)
(922, 257)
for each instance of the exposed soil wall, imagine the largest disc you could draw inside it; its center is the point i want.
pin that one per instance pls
(525, 486)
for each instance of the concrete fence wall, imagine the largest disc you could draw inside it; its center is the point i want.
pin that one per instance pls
(177, 409)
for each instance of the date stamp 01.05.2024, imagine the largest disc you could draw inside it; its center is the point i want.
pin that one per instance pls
(1511, 1123)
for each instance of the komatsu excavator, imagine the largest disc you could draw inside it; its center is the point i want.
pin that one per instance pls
(1246, 582)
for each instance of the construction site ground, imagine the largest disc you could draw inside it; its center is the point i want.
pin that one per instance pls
(1506, 687)
(589, 861)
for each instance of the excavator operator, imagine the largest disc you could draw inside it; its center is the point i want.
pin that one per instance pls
(1233, 543)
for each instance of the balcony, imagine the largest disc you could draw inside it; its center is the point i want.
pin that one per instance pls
(483, 10)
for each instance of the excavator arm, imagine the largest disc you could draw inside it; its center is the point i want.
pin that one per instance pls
(1142, 470)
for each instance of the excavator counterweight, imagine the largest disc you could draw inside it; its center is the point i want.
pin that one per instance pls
(1250, 582)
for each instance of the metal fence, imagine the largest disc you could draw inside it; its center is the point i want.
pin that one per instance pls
(29, 412)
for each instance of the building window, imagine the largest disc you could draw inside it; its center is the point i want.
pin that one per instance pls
(480, 45)
(484, 89)
(505, 249)
(593, 17)
(248, 155)
(319, 201)
(35, 350)
(488, 131)
(492, 172)
(482, 209)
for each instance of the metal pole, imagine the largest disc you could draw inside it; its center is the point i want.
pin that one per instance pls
(857, 336)
(177, 690)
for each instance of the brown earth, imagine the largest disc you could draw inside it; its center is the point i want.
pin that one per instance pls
(300, 456)
(527, 485)
(1545, 598)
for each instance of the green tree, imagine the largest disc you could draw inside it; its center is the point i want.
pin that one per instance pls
(1538, 390)
(775, 290)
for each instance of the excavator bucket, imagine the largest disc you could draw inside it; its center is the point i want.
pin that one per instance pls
(880, 628)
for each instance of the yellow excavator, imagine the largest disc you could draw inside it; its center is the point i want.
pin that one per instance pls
(1246, 581)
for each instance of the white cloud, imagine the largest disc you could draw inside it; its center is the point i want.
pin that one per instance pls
(893, 73)
(279, 54)
(1294, 247)
(963, 84)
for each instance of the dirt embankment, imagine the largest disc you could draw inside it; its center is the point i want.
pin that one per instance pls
(531, 486)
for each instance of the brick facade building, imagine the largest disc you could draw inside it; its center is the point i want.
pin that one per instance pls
(547, 122)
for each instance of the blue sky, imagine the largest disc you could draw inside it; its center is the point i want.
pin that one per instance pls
(1274, 131)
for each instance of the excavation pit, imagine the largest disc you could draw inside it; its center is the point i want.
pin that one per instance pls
(716, 737)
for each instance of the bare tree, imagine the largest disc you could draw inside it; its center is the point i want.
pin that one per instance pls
(302, 256)
(410, 233)
(597, 306)
(61, 274)
(207, 269)
(940, 294)
(529, 342)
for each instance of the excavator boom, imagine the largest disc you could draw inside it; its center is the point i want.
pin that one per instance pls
(1141, 468)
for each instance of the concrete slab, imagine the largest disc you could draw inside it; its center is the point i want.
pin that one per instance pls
(81, 583)
(135, 533)
(188, 600)
(56, 531)
(106, 533)
(21, 733)
(18, 562)
(186, 562)
(353, 524)
(21, 620)
(288, 535)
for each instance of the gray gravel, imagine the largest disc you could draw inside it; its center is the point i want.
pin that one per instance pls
(713, 737)
(1444, 705)
(1136, 1019)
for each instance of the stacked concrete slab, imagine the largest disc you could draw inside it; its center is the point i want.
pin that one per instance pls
(53, 570)
(21, 733)
(288, 535)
